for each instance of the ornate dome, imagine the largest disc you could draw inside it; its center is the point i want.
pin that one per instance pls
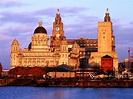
(40, 29)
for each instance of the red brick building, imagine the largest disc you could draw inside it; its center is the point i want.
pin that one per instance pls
(27, 71)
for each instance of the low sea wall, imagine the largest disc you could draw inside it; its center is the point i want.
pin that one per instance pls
(66, 82)
(84, 83)
(5, 81)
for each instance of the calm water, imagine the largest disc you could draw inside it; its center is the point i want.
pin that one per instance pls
(65, 93)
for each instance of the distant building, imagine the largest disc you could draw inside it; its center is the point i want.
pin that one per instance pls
(0, 69)
(126, 64)
(5, 73)
(45, 51)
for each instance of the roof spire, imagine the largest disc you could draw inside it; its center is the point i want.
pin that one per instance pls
(107, 17)
(40, 24)
(107, 11)
(58, 12)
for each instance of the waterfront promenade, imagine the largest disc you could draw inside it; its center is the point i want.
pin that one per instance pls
(65, 82)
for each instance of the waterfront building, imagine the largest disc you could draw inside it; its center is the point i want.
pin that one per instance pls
(106, 57)
(51, 51)
(5, 73)
(0, 69)
(126, 65)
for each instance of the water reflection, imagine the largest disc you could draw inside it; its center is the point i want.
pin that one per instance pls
(65, 93)
(59, 95)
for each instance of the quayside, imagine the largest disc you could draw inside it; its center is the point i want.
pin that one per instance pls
(65, 82)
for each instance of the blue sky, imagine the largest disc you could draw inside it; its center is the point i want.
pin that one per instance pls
(19, 18)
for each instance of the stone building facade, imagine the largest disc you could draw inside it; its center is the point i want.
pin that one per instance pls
(106, 43)
(57, 49)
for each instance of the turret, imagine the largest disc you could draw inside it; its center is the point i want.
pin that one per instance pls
(106, 42)
(57, 32)
(58, 25)
(107, 17)
(15, 46)
(57, 18)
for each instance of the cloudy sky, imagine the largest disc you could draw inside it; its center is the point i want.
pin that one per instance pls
(19, 18)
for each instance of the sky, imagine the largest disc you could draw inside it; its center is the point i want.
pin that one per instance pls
(19, 18)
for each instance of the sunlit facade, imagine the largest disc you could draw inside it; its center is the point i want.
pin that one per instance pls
(51, 51)
(106, 45)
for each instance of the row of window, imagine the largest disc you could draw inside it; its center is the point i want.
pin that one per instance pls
(41, 62)
(88, 44)
(38, 59)
(38, 54)
(40, 42)
(83, 53)
(91, 41)
(39, 36)
(64, 55)
(64, 48)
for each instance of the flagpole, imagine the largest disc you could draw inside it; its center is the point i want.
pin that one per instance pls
(129, 57)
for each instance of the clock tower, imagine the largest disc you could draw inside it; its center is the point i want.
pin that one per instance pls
(57, 32)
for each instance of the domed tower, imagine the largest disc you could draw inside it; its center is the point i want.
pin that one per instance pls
(58, 32)
(15, 48)
(40, 38)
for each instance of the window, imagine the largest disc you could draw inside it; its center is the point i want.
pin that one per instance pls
(62, 55)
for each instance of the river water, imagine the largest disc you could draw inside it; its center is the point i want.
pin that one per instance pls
(65, 93)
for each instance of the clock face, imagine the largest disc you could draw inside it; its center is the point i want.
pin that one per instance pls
(57, 28)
